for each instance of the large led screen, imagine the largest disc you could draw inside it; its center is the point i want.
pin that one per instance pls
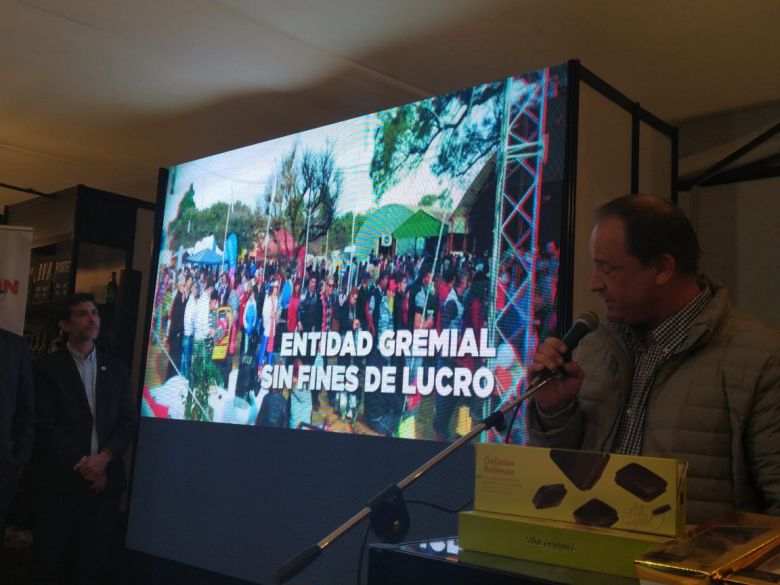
(387, 275)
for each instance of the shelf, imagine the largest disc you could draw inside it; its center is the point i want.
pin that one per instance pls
(81, 235)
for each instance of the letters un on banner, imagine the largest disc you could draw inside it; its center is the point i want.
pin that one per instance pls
(15, 244)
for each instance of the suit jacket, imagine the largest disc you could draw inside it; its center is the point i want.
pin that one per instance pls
(17, 415)
(64, 420)
(310, 305)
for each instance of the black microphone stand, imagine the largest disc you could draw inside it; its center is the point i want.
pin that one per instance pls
(389, 517)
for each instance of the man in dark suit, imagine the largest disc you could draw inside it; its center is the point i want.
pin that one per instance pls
(17, 416)
(309, 308)
(85, 422)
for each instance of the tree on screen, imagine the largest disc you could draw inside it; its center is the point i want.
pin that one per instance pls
(343, 230)
(192, 224)
(454, 132)
(178, 229)
(304, 192)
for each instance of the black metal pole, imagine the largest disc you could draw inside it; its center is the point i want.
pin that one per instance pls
(28, 190)
(303, 559)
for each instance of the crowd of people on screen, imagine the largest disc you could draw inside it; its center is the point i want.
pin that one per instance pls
(214, 320)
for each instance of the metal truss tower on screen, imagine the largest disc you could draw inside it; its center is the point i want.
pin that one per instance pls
(519, 191)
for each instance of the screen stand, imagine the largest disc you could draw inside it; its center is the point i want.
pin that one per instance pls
(387, 511)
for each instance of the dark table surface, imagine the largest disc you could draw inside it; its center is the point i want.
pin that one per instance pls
(441, 561)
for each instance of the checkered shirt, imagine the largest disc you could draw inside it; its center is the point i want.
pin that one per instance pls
(648, 359)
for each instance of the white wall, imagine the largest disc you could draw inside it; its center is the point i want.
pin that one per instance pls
(737, 224)
(655, 162)
(603, 172)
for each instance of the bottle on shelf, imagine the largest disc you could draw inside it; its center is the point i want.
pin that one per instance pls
(111, 289)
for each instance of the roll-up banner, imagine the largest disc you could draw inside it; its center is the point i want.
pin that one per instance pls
(15, 244)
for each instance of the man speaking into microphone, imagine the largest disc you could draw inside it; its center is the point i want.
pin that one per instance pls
(677, 371)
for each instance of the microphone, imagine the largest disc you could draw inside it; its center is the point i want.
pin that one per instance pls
(585, 322)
